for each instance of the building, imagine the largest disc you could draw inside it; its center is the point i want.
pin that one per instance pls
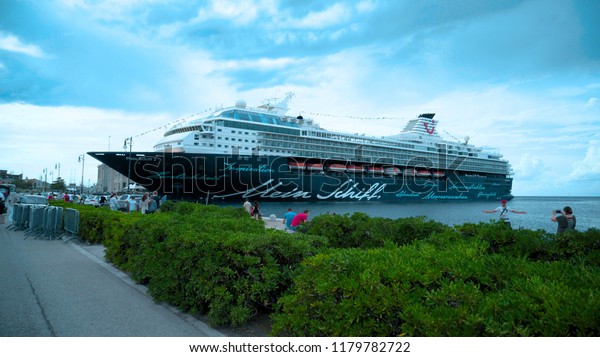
(110, 181)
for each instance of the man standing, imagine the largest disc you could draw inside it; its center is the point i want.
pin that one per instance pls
(288, 217)
(113, 202)
(299, 218)
(504, 211)
(247, 206)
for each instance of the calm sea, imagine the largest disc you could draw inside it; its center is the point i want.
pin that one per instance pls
(539, 210)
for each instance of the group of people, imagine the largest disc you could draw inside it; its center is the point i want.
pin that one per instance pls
(565, 218)
(291, 219)
(147, 204)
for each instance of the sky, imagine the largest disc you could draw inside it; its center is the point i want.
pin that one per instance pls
(522, 76)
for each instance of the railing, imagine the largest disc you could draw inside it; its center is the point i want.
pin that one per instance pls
(71, 221)
(44, 222)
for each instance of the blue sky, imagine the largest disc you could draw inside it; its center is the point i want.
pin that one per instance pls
(522, 76)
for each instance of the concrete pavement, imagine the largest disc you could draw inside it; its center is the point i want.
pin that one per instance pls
(66, 289)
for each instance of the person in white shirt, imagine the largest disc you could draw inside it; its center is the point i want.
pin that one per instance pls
(504, 212)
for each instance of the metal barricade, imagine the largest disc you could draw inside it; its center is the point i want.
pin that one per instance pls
(53, 217)
(20, 217)
(15, 217)
(36, 221)
(71, 222)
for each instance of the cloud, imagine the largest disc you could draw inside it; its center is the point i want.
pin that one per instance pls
(530, 167)
(12, 43)
(589, 167)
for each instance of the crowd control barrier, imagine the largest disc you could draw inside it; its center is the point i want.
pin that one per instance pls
(71, 224)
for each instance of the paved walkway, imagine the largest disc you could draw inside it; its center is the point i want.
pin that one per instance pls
(66, 289)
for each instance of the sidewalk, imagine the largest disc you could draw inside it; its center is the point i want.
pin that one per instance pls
(66, 289)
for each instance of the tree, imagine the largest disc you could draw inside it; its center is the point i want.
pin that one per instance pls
(58, 185)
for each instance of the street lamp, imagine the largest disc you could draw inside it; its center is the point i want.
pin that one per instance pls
(128, 141)
(45, 171)
(82, 160)
(57, 166)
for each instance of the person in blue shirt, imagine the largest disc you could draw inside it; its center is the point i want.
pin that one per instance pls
(287, 219)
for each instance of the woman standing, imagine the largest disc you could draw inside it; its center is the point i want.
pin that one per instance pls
(144, 205)
(255, 211)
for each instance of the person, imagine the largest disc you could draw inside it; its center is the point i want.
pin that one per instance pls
(156, 199)
(3, 199)
(287, 219)
(565, 219)
(504, 211)
(66, 197)
(255, 211)
(144, 205)
(102, 200)
(112, 202)
(132, 204)
(248, 206)
(151, 205)
(299, 218)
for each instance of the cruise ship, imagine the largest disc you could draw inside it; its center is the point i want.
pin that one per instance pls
(261, 153)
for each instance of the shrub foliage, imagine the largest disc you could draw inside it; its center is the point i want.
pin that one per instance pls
(353, 275)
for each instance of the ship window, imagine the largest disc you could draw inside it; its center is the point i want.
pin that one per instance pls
(226, 146)
(219, 145)
(219, 129)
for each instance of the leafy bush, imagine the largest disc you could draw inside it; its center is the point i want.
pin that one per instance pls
(421, 290)
(361, 231)
(211, 260)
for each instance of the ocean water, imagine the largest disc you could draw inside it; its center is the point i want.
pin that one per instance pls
(539, 210)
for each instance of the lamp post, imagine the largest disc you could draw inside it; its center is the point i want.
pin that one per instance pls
(82, 160)
(45, 171)
(57, 166)
(128, 141)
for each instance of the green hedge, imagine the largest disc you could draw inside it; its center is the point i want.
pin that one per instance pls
(422, 290)
(353, 275)
(361, 231)
(211, 260)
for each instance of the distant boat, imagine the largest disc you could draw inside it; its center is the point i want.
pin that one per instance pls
(409, 172)
(423, 173)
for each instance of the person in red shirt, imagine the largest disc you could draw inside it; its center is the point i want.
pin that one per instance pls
(299, 218)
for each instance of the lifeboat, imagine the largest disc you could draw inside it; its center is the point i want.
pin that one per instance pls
(315, 167)
(354, 168)
(337, 167)
(375, 170)
(391, 171)
(438, 174)
(294, 165)
(423, 173)
(409, 172)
